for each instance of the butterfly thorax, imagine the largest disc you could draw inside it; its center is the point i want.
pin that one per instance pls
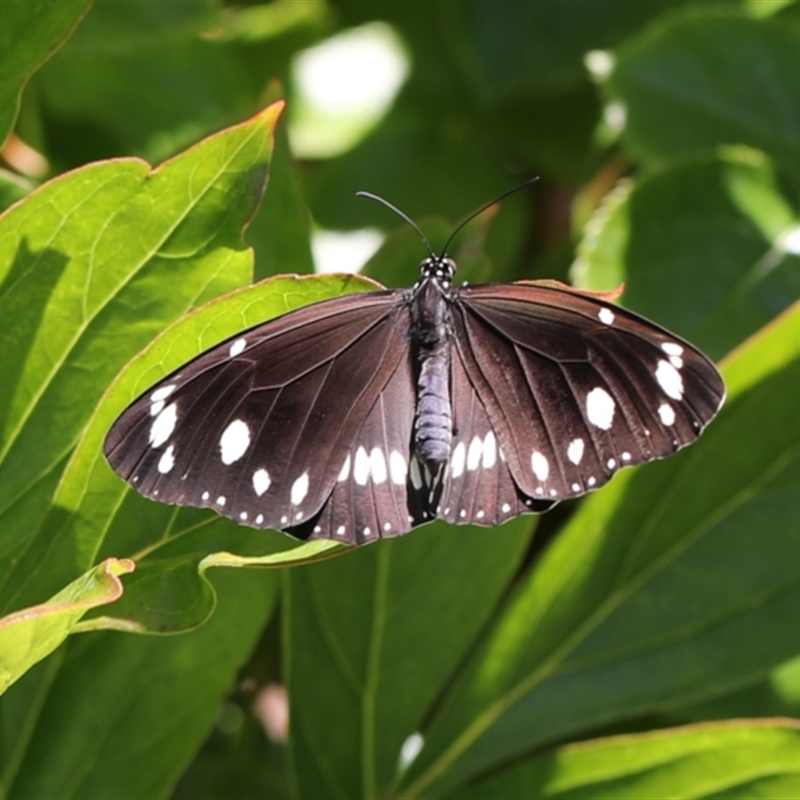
(431, 333)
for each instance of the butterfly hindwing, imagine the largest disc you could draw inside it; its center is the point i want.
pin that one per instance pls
(478, 486)
(373, 496)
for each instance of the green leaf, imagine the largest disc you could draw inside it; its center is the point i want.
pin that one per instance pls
(138, 78)
(541, 46)
(81, 263)
(643, 601)
(738, 760)
(373, 637)
(29, 33)
(700, 81)
(707, 248)
(124, 714)
(27, 636)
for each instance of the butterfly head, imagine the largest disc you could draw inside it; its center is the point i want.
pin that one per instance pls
(439, 268)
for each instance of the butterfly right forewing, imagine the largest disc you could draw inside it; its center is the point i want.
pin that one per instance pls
(576, 390)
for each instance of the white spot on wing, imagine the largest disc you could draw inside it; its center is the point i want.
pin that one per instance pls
(600, 408)
(540, 465)
(300, 489)
(611, 463)
(672, 348)
(234, 441)
(666, 414)
(416, 475)
(489, 451)
(606, 315)
(377, 465)
(591, 481)
(626, 456)
(676, 362)
(397, 468)
(669, 379)
(237, 347)
(474, 453)
(205, 495)
(575, 451)
(243, 516)
(506, 508)
(361, 467)
(167, 460)
(345, 470)
(163, 425)
(576, 487)
(340, 531)
(458, 459)
(221, 500)
(259, 519)
(163, 393)
(261, 481)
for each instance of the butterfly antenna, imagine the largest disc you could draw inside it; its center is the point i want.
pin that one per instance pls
(482, 209)
(399, 214)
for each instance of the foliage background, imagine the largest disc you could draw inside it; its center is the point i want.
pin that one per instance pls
(649, 649)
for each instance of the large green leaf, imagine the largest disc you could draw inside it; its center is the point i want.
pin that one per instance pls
(121, 715)
(27, 636)
(738, 760)
(541, 46)
(701, 81)
(82, 260)
(151, 78)
(372, 638)
(29, 32)
(643, 601)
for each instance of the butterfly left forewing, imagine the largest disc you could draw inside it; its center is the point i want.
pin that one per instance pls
(259, 427)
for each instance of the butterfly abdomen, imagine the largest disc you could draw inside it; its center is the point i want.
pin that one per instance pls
(433, 425)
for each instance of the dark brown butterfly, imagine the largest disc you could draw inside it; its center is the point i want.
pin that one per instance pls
(364, 416)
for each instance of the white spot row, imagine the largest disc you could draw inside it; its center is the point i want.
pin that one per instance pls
(481, 452)
(373, 465)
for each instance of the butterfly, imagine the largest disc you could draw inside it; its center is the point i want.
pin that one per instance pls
(364, 416)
